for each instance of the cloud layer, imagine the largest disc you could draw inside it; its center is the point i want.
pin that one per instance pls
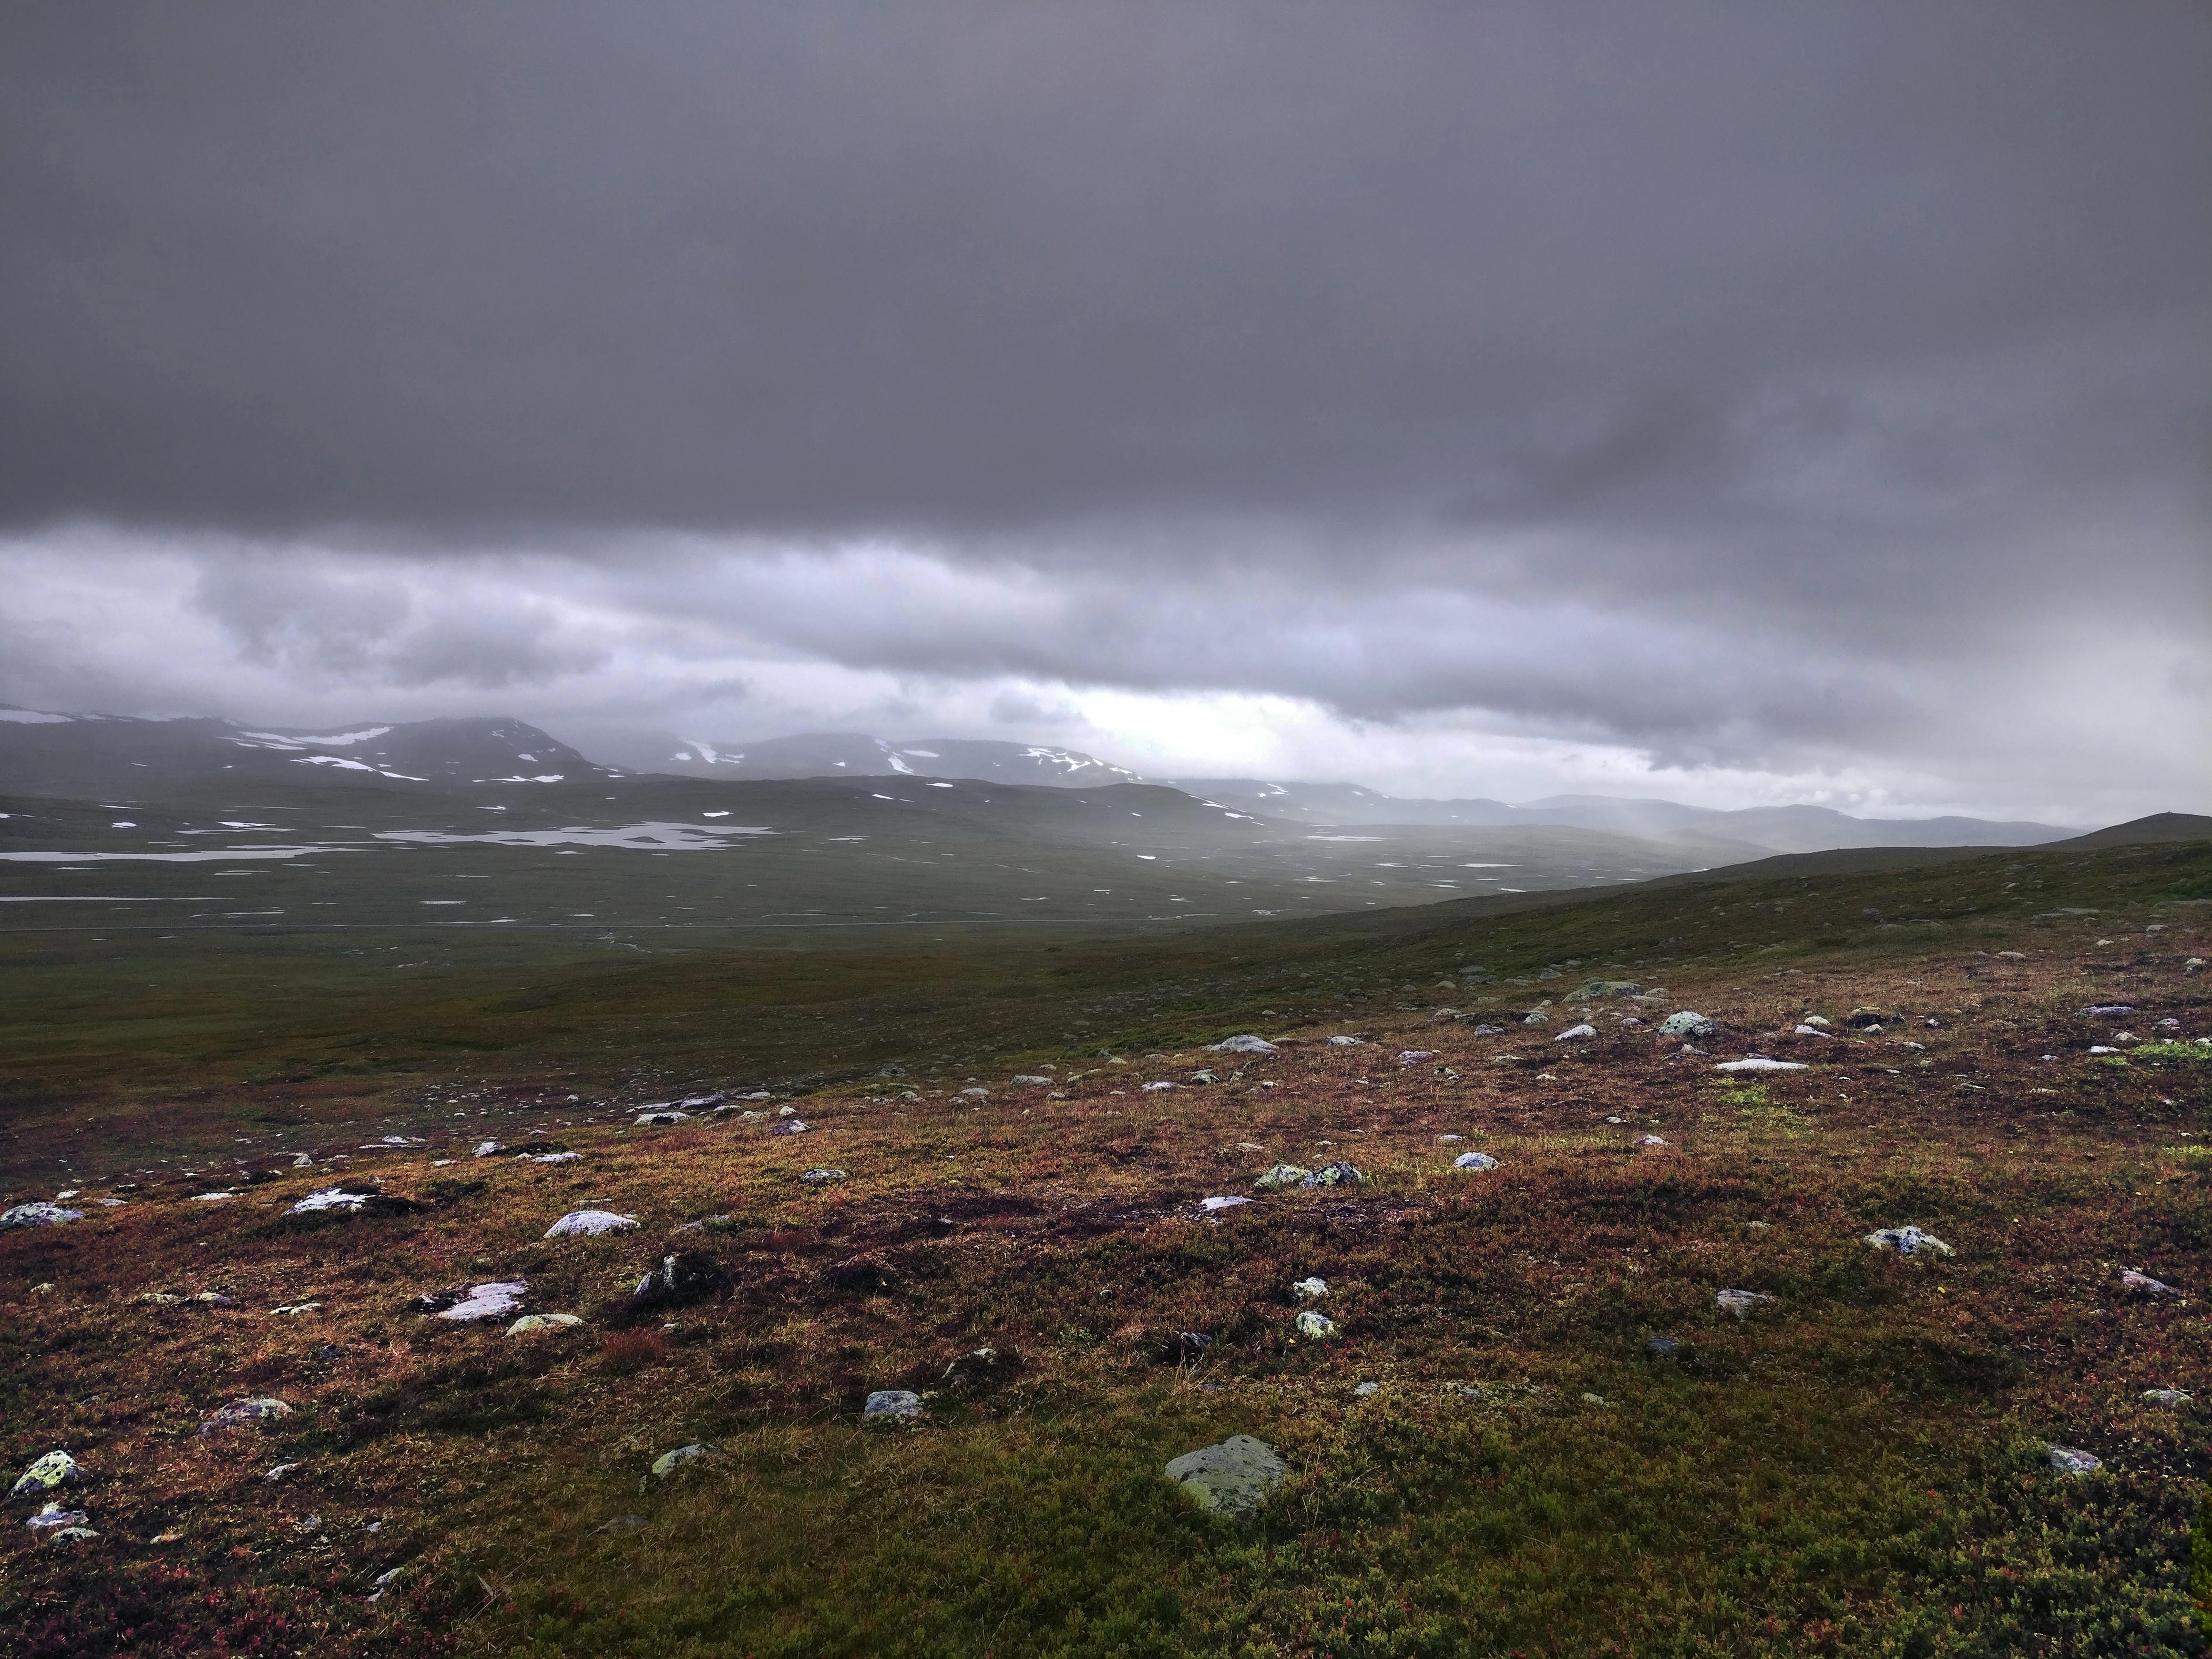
(1799, 399)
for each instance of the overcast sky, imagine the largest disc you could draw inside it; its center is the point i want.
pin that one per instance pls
(1734, 402)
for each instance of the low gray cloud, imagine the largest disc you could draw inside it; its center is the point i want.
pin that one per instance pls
(1747, 387)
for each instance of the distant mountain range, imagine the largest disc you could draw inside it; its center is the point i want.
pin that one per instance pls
(854, 754)
(1783, 828)
(97, 756)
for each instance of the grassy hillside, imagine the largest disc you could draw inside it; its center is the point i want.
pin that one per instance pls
(1857, 1466)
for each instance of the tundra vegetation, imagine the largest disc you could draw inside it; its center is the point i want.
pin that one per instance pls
(1573, 1443)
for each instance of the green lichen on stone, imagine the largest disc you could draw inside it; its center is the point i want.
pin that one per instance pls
(1232, 1478)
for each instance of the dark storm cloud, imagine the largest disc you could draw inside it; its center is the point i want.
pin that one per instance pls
(1746, 386)
(820, 265)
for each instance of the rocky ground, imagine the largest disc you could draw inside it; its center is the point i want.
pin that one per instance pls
(1666, 1369)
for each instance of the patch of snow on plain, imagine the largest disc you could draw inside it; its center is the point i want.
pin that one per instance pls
(659, 837)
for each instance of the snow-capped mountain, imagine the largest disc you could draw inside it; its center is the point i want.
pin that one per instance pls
(105, 754)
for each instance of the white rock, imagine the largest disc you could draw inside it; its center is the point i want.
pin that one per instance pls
(1210, 1204)
(1474, 1161)
(1908, 1241)
(1245, 1044)
(1760, 1063)
(38, 1215)
(1740, 1302)
(1576, 1033)
(493, 1301)
(329, 1197)
(590, 1223)
(1309, 1288)
(2072, 1460)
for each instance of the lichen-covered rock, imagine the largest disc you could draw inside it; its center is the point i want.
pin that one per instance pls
(1315, 1326)
(1244, 1044)
(580, 1224)
(891, 1403)
(1907, 1241)
(1334, 1174)
(1474, 1161)
(2072, 1460)
(1688, 1023)
(822, 1177)
(667, 1462)
(2169, 1398)
(530, 1322)
(55, 1468)
(39, 1215)
(1232, 1478)
(239, 1412)
(1283, 1174)
(1309, 1288)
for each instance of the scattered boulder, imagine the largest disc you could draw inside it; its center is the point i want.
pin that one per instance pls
(1907, 1241)
(1366, 1390)
(1663, 1347)
(1283, 1174)
(530, 1322)
(1474, 1161)
(1232, 1478)
(1245, 1044)
(1346, 1041)
(2072, 1460)
(1740, 1302)
(584, 1224)
(668, 1463)
(1334, 1174)
(1189, 1347)
(239, 1412)
(293, 1308)
(1029, 1079)
(1760, 1063)
(1576, 1033)
(1154, 1088)
(1309, 1288)
(821, 1177)
(2143, 1284)
(55, 1468)
(1539, 1018)
(1689, 1024)
(1209, 1206)
(662, 1119)
(551, 1158)
(679, 1279)
(1315, 1326)
(892, 1403)
(1589, 990)
(2106, 1010)
(2172, 1399)
(39, 1215)
(1650, 1143)
(466, 1303)
(790, 1126)
(1414, 1056)
(487, 1148)
(1489, 1031)
(55, 1516)
(348, 1199)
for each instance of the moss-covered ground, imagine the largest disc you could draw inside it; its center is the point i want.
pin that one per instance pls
(1857, 1466)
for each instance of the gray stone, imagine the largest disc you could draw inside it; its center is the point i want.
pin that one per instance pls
(1315, 1326)
(822, 1177)
(39, 1215)
(1366, 1390)
(1688, 1023)
(2145, 1285)
(790, 1126)
(1310, 1288)
(1740, 1302)
(1232, 1478)
(2072, 1460)
(1245, 1044)
(493, 1301)
(1212, 1205)
(1576, 1033)
(1283, 1174)
(892, 1403)
(1345, 1041)
(239, 1412)
(1907, 1241)
(55, 1516)
(1474, 1161)
(1760, 1063)
(1663, 1347)
(2169, 1398)
(662, 1119)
